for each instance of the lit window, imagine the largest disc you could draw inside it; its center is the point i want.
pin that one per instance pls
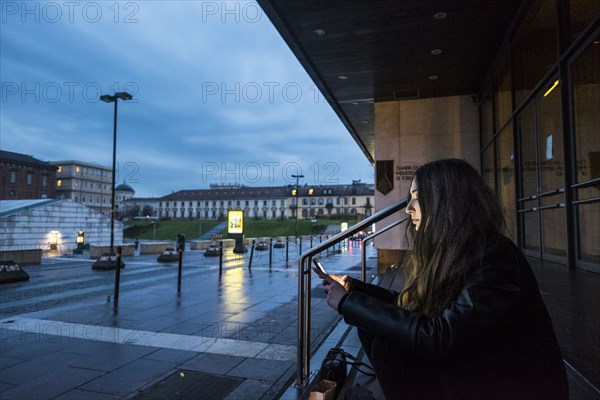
(59, 169)
(77, 169)
(59, 183)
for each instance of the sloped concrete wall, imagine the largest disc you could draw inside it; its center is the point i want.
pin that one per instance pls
(57, 222)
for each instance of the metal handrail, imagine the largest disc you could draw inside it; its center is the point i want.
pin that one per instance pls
(363, 274)
(545, 194)
(304, 276)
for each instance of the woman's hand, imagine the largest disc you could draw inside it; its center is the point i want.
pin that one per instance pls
(335, 291)
(335, 287)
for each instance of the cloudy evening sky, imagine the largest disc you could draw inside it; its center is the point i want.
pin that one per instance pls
(218, 96)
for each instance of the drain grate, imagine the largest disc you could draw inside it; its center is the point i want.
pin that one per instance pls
(191, 385)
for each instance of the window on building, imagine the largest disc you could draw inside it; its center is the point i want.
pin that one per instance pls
(59, 183)
(30, 179)
(59, 169)
(354, 201)
(12, 177)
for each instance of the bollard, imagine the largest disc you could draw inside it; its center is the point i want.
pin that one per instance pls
(220, 256)
(117, 280)
(251, 254)
(287, 250)
(300, 248)
(270, 252)
(319, 239)
(180, 251)
(311, 241)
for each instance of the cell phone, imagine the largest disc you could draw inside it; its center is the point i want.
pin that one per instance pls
(319, 266)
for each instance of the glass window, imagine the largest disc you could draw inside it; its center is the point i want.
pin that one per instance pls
(44, 180)
(550, 139)
(588, 220)
(503, 101)
(526, 127)
(488, 167)
(580, 14)
(487, 120)
(534, 53)
(505, 176)
(13, 177)
(585, 80)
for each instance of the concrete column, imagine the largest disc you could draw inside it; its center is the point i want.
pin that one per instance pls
(411, 133)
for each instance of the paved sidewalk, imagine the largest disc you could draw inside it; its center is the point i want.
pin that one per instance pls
(230, 335)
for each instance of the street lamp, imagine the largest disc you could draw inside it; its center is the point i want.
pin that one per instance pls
(297, 194)
(114, 99)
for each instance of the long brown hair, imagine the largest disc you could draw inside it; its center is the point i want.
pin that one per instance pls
(458, 214)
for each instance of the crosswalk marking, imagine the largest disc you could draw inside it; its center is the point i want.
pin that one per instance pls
(200, 344)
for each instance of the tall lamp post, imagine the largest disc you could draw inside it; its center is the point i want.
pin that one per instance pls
(297, 199)
(114, 99)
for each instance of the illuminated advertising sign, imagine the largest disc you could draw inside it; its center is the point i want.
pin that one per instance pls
(235, 221)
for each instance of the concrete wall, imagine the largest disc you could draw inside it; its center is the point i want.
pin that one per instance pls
(22, 256)
(414, 132)
(127, 250)
(38, 227)
(155, 247)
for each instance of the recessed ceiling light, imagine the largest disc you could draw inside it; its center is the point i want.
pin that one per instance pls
(439, 15)
(436, 52)
(433, 77)
(342, 77)
(319, 32)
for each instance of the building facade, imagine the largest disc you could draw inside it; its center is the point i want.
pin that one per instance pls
(277, 202)
(25, 177)
(86, 183)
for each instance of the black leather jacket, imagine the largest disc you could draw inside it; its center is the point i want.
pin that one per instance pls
(494, 341)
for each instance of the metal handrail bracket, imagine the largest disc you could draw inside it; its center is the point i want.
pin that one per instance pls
(363, 274)
(304, 283)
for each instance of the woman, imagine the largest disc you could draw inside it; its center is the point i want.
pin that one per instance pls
(470, 322)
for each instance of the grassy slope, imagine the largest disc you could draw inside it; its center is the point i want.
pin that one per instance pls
(168, 230)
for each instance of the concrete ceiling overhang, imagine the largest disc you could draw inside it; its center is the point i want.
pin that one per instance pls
(359, 52)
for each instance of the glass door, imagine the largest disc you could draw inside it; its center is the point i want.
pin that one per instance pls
(542, 194)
